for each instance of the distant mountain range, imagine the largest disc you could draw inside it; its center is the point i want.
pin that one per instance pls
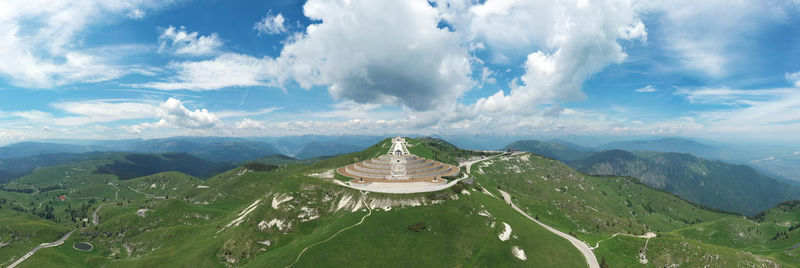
(128, 166)
(217, 149)
(25, 149)
(563, 152)
(717, 184)
(316, 149)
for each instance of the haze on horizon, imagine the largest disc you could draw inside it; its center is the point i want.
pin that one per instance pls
(716, 70)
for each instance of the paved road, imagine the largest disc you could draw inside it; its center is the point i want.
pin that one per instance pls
(37, 248)
(582, 247)
(95, 219)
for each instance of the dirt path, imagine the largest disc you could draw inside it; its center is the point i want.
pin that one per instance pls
(146, 194)
(337, 233)
(116, 194)
(37, 248)
(580, 245)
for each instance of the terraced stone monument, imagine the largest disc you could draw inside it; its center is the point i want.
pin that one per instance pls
(399, 166)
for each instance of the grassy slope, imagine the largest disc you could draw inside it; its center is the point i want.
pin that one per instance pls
(454, 229)
(594, 208)
(191, 232)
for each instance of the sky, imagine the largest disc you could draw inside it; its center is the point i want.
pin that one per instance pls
(115, 69)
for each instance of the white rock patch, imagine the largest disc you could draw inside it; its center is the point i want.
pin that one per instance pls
(323, 175)
(465, 192)
(265, 242)
(202, 186)
(506, 234)
(142, 212)
(343, 202)
(263, 225)
(244, 214)
(519, 253)
(484, 213)
(308, 214)
(279, 199)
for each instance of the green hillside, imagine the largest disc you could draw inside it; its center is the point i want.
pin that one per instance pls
(596, 208)
(715, 184)
(295, 215)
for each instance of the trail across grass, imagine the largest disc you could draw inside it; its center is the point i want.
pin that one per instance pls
(337, 233)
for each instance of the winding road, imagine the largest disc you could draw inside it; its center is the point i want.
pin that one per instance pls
(37, 248)
(95, 219)
(582, 247)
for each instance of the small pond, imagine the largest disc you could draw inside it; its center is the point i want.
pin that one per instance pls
(83, 246)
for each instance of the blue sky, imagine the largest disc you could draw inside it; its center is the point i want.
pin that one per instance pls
(725, 70)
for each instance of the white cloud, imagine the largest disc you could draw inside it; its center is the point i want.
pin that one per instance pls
(39, 45)
(565, 42)
(647, 89)
(98, 111)
(136, 14)
(248, 123)
(271, 24)
(764, 113)
(794, 78)
(33, 115)
(711, 36)
(174, 114)
(226, 114)
(226, 70)
(388, 52)
(181, 42)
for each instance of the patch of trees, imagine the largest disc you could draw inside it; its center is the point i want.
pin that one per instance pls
(77, 214)
(458, 187)
(780, 235)
(261, 167)
(52, 187)
(417, 227)
(138, 165)
(23, 190)
(47, 213)
(437, 196)
(603, 263)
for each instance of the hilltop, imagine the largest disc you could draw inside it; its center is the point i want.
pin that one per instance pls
(297, 215)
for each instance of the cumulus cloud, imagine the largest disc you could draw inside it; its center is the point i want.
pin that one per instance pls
(388, 52)
(647, 89)
(571, 42)
(181, 42)
(271, 24)
(39, 40)
(174, 114)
